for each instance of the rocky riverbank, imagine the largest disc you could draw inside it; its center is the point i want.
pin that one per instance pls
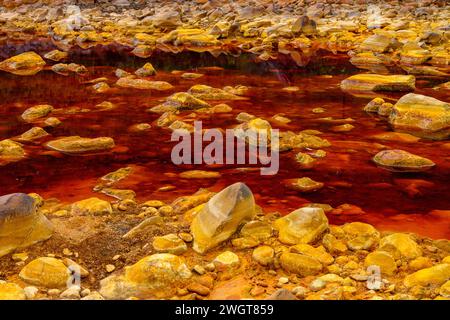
(208, 246)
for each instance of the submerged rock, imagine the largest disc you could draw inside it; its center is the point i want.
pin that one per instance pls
(77, 145)
(304, 184)
(376, 82)
(422, 116)
(304, 225)
(11, 150)
(205, 92)
(143, 84)
(24, 64)
(155, 276)
(403, 161)
(182, 101)
(71, 68)
(221, 216)
(36, 112)
(20, 223)
(46, 272)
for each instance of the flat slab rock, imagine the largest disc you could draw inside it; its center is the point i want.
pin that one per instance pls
(77, 145)
(376, 82)
(399, 160)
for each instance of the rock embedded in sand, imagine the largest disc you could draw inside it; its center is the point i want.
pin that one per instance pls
(401, 246)
(24, 64)
(376, 82)
(169, 243)
(360, 236)
(422, 116)
(402, 161)
(155, 276)
(264, 255)
(46, 272)
(383, 260)
(20, 223)
(221, 216)
(317, 253)
(36, 112)
(300, 264)
(92, 206)
(78, 145)
(304, 225)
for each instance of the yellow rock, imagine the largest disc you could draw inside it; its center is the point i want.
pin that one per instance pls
(264, 255)
(20, 224)
(78, 145)
(434, 276)
(402, 161)
(128, 82)
(146, 70)
(36, 112)
(304, 225)
(360, 236)
(318, 253)
(444, 291)
(221, 216)
(205, 92)
(401, 246)
(258, 230)
(300, 264)
(421, 263)
(375, 82)
(170, 243)
(184, 101)
(11, 291)
(56, 55)
(24, 64)
(383, 260)
(11, 150)
(158, 271)
(92, 206)
(46, 272)
(422, 116)
(334, 245)
(374, 105)
(446, 260)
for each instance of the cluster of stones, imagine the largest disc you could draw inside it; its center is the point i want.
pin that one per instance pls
(222, 246)
(381, 37)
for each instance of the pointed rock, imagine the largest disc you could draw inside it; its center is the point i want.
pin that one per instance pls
(221, 216)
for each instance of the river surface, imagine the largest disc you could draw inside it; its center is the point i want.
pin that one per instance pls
(390, 201)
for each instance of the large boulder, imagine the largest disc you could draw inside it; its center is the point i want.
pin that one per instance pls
(422, 116)
(303, 225)
(376, 82)
(221, 216)
(20, 223)
(24, 64)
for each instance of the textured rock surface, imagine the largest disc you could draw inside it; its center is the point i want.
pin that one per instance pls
(422, 116)
(303, 225)
(76, 145)
(46, 272)
(403, 161)
(221, 216)
(24, 64)
(20, 224)
(376, 82)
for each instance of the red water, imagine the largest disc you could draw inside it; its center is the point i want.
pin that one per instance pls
(347, 171)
